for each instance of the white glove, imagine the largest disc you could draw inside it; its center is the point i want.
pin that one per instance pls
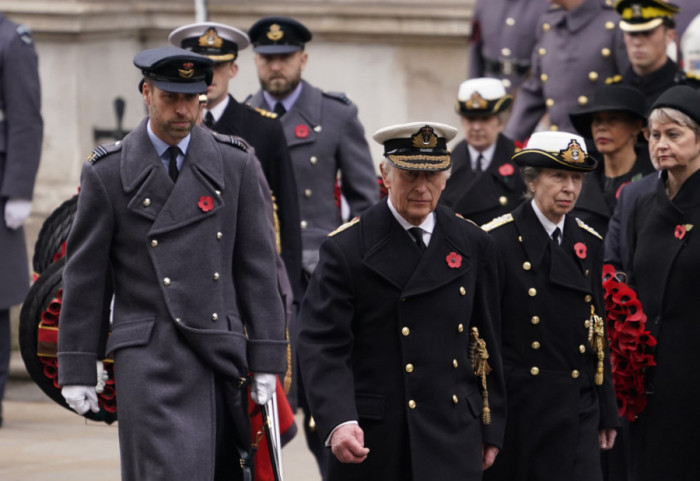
(81, 398)
(102, 377)
(263, 387)
(16, 212)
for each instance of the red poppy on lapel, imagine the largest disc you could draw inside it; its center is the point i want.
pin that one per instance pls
(580, 249)
(206, 203)
(454, 260)
(681, 230)
(301, 131)
(506, 169)
(617, 193)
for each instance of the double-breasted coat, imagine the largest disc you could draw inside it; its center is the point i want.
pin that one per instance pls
(481, 197)
(664, 248)
(555, 410)
(21, 131)
(325, 137)
(385, 341)
(576, 51)
(191, 266)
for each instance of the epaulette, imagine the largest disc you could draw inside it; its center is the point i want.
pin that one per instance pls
(588, 228)
(338, 96)
(613, 80)
(350, 223)
(25, 34)
(265, 113)
(497, 222)
(464, 218)
(102, 151)
(231, 140)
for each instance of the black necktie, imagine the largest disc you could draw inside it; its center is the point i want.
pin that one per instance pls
(209, 120)
(556, 236)
(172, 165)
(417, 234)
(279, 109)
(479, 162)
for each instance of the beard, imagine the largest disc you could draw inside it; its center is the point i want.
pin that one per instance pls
(280, 87)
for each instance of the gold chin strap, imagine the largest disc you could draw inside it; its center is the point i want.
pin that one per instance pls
(596, 336)
(478, 357)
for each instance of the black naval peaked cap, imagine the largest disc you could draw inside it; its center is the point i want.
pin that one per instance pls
(175, 70)
(643, 15)
(278, 35)
(217, 41)
(417, 145)
(682, 98)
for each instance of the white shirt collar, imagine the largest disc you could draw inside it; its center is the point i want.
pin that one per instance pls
(487, 154)
(218, 110)
(428, 225)
(548, 225)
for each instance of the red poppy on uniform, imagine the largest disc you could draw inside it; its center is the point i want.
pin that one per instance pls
(206, 203)
(681, 230)
(580, 249)
(454, 260)
(506, 169)
(301, 131)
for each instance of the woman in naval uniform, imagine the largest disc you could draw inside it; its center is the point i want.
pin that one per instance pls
(561, 403)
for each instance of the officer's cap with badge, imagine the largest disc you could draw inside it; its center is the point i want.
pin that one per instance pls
(417, 145)
(482, 97)
(556, 150)
(217, 41)
(278, 35)
(176, 70)
(643, 15)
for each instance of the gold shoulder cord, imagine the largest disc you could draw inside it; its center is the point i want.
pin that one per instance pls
(596, 336)
(478, 357)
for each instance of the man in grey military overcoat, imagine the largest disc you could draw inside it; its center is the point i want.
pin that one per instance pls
(21, 132)
(170, 223)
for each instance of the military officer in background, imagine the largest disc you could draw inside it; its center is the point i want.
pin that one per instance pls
(484, 183)
(171, 225)
(502, 38)
(258, 127)
(579, 46)
(21, 133)
(387, 325)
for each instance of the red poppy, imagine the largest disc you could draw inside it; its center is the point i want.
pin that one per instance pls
(206, 203)
(580, 249)
(680, 231)
(301, 131)
(454, 260)
(617, 193)
(506, 169)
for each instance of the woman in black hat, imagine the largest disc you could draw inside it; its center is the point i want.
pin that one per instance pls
(664, 250)
(613, 120)
(561, 407)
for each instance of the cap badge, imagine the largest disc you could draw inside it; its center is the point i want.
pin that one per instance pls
(187, 70)
(275, 33)
(573, 153)
(637, 11)
(476, 102)
(211, 39)
(425, 138)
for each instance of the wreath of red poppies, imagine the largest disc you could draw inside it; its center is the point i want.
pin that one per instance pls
(630, 344)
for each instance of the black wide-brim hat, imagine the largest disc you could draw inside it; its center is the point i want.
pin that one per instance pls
(556, 150)
(278, 35)
(682, 98)
(176, 70)
(609, 98)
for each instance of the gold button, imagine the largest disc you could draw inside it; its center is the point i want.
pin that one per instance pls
(462, 290)
(146, 202)
(214, 317)
(503, 200)
(535, 345)
(587, 324)
(510, 21)
(219, 236)
(535, 320)
(535, 371)
(592, 76)
(505, 82)
(312, 424)
(520, 239)
(412, 404)
(405, 331)
(455, 364)
(542, 51)
(313, 160)
(154, 243)
(455, 399)
(544, 77)
(582, 100)
(609, 25)
(588, 298)
(549, 103)
(409, 367)
(546, 27)
(307, 193)
(304, 224)
(554, 128)
(217, 276)
(527, 266)
(505, 52)
(575, 374)
(403, 299)
(166, 281)
(460, 328)
(532, 292)
(582, 348)
(605, 52)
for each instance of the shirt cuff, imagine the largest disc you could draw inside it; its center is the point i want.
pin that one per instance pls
(328, 439)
